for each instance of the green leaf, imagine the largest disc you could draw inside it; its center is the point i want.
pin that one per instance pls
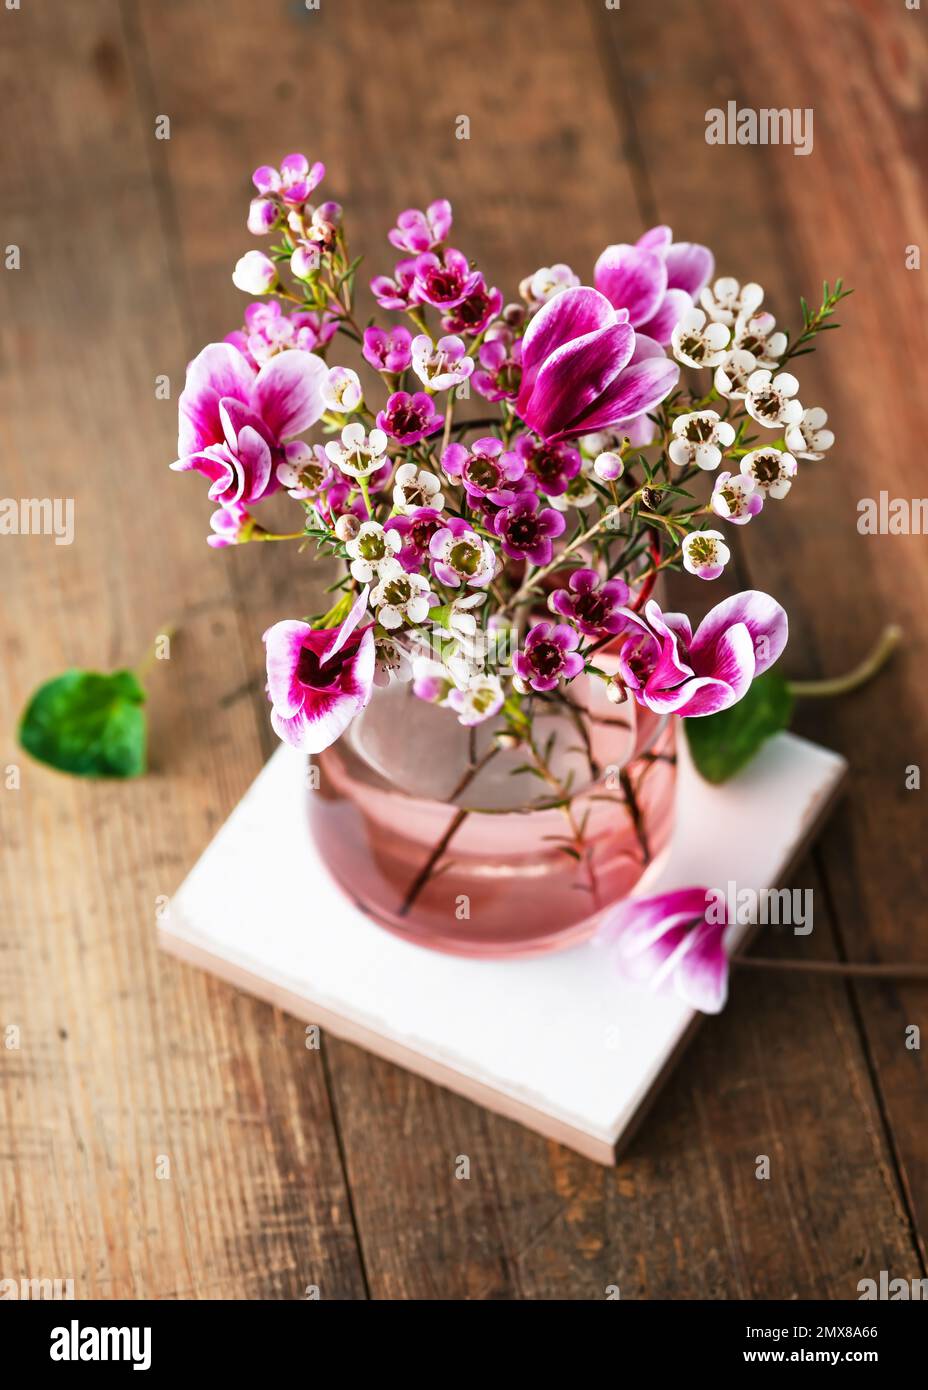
(721, 744)
(88, 724)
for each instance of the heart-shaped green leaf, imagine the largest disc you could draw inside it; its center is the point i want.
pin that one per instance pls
(723, 743)
(87, 723)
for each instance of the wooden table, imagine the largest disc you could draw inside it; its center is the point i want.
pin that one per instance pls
(290, 1167)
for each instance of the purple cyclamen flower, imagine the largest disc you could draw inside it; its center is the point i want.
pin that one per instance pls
(656, 280)
(549, 654)
(552, 464)
(416, 530)
(528, 529)
(673, 944)
(485, 469)
(293, 182)
(594, 607)
(472, 315)
(234, 420)
(500, 371)
(579, 370)
(319, 679)
(672, 671)
(418, 231)
(460, 555)
(396, 291)
(445, 281)
(407, 419)
(388, 350)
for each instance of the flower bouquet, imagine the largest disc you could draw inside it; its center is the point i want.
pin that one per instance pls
(488, 699)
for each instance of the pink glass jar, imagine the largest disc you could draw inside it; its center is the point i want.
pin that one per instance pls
(449, 840)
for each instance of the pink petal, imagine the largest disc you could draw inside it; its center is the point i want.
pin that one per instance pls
(356, 613)
(656, 239)
(764, 618)
(635, 391)
(287, 392)
(571, 314)
(219, 370)
(701, 978)
(575, 376)
(689, 267)
(631, 278)
(668, 314)
(283, 643)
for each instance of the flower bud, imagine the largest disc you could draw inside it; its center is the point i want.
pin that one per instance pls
(347, 527)
(254, 273)
(262, 215)
(609, 466)
(616, 692)
(304, 262)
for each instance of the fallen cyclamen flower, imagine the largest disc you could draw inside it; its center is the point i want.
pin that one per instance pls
(669, 943)
(293, 182)
(552, 464)
(578, 373)
(342, 390)
(480, 699)
(500, 372)
(736, 498)
(548, 655)
(445, 281)
(396, 291)
(459, 555)
(358, 453)
(771, 470)
(733, 372)
(757, 335)
(809, 439)
(485, 470)
(698, 342)
(400, 597)
(415, 488)
(319, 679)
(537, 289)
(234, 420)
(654, 280)
(672, 671)
(528, 529)
(472, 315)
(700, 438)
(388, 351)
(407, 419)
(415, 531)
(418, 231)
(594, 607)
(727, 301)
(443, 364)
(254, 273)
(770, 401)
(705, 554)
(371, 549)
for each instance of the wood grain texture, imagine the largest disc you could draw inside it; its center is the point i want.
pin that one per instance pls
(292, 1168)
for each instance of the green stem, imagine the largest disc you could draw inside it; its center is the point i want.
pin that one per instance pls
(852, 680)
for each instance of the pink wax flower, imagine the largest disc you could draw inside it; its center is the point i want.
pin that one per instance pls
(234, 420)
(594, 606)
(254, 273)
(293, 182)
(500, 371)
(674, 943)
(445, 281)
(552, 464)
(319, 679)
(306, 471)
(407, 419)
(418, 231)
(472, 315)
(388, 350)
(485, 469)
(656, 280)
(528, 529)
(396, 291)
(578, 372)
(416, 530)
(671, 670)
(262, 216)
(459, 555)
(548, 655)
(269, 330)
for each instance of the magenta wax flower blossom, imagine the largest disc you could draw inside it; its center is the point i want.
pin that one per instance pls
(233, 420)
(407, 419)
(528, 529)
(705, 554)
(500, 372)
(656, 280)
(254, 273)
(673, 943)
(305, 471)
(396, 291)
(485, 469)
(548, 655)
(552, 464)
(342, 390)
(672, 671)
(459, 555)
(293, 182)
(415, 531)
(736, 498)
(268, 330)
(472, 315)
(480, 699)
(388, 350)
(319, 679)
(578, 375)
(594, 607)
(445, 281)
(418, 231)
(443, 364)
(262, 216)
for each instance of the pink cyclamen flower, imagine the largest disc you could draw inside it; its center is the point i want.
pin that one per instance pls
(485, 469)
(234, 419)
(445, 281)
(293, 182)
(579, 369)
(396, 291)
(656, 280)
(528, 529)
(459, 555)
(500, 372)
(673, 944)
(388, 350)
(231, 525)
(552, 464)
(407, 419)
(549, 654)
(472, 315)
(418, 231)
(594, 607)
(319, 679)
(672, 671)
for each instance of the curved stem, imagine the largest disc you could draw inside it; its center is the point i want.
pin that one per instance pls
(853, 680)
